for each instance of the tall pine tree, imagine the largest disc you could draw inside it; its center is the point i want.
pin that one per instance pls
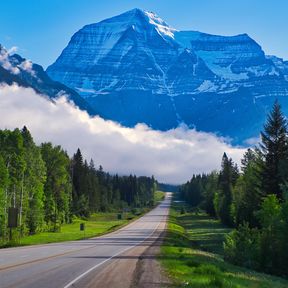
(274, 149)
(227, 179)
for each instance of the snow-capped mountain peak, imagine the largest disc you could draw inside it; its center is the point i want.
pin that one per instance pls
(140, 18)
(134, 68)
(161, 26)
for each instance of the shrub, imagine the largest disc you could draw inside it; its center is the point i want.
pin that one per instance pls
(242, 247)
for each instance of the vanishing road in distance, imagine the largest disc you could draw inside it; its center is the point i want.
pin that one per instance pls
(106, 261)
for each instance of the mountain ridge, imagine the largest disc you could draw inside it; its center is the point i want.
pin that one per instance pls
(17, 70)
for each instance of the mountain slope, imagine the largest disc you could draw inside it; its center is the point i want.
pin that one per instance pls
(135, 68)
(15, 69)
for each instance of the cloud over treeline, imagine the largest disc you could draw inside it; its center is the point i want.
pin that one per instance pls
(171, 156)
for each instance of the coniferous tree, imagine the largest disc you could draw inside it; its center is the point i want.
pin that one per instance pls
(274, 148)
(93, 188)
(77, 179)
(210, 189)
(247, 193)
(227, 178)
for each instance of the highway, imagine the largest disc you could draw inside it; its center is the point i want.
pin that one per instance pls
(106, 261)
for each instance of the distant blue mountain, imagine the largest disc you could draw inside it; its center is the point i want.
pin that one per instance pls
(135, 68)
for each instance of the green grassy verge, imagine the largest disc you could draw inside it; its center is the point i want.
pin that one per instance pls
(159, 196)
(98, 224)
(192, 255)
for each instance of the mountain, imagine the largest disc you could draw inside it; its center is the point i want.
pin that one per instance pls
(135, 68)
(15, 69)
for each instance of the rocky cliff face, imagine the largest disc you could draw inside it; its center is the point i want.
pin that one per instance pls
(136, 68)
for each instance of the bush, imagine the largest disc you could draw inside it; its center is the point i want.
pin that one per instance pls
(242, 247)
(264, 249)
(183, 211)
(216, 282)
(192, 263)
(208, 269)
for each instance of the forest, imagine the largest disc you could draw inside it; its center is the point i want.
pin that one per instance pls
(253, 199)
(48, 187)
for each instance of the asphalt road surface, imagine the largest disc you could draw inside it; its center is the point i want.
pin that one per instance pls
(106, 261)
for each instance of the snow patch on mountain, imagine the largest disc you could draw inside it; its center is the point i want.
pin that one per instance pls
(207, 86)
(161, 26)
(224, 72)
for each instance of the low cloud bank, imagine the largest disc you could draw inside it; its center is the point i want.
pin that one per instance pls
(171, 156)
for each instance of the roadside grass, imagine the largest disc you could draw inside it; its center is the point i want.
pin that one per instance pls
(158, 196)
(192, 255)
(97, 224)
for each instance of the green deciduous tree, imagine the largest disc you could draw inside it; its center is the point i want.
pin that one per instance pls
(39, 181)
(32, 211)
(4, 182)
(57, 186)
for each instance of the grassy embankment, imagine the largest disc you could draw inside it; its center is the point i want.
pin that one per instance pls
(97, 224)
(158, 197)
(192, 254)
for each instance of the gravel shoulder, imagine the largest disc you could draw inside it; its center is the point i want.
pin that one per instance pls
(138, 267)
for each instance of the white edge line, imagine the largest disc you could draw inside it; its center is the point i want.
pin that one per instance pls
(99, 264)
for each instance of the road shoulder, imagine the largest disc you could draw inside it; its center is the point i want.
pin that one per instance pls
(148, 271)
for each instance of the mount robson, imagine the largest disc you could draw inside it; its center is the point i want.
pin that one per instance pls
(134, 68)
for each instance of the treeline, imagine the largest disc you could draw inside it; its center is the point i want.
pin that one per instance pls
(49, 188)
(252, 199)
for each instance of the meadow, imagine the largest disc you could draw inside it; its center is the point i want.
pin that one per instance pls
(192, 254)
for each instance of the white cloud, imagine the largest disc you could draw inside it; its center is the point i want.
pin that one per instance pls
(171, 156)
(13, 49)
(253, 141)
(4, 60)
(27, 65)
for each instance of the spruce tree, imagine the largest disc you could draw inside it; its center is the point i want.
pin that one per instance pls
(209, 193)
(274, 150)
(77, 180)
(227, 179)
(247, 193)
(93, 188)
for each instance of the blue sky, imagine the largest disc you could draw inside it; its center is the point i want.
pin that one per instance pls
(42, 28)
